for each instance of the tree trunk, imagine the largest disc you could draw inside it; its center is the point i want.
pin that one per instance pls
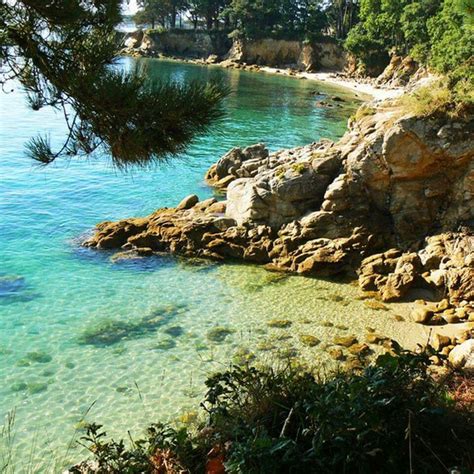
(173, 17)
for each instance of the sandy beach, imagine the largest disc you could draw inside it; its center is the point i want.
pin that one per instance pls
(376, 93)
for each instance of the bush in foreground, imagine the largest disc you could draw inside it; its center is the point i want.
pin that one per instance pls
(391, 418)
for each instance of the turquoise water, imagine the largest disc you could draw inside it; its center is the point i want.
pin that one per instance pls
(54, 370)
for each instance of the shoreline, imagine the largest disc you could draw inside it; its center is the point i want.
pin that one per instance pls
(374, 93)
(333, 78)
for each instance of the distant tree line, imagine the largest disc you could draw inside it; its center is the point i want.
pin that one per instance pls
(437, 32)
(254, 18)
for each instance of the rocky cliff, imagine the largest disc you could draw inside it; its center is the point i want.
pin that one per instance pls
(181, 43)
(309, 56)
(392, 200)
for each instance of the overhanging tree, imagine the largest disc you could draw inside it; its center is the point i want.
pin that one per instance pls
(63, 53)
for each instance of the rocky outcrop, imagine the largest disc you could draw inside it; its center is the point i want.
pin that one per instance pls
(181, 43)
(399, 72)
(214, 46)
(406, 176)
(308, 56)
(392, 182)
(445, 262)
(134, 39)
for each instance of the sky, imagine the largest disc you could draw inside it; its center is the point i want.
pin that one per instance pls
(129, 6)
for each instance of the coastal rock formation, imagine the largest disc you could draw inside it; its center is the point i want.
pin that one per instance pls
(399, 72)
(446, 261)
(310, 56)
(326, 208)
(215, 46)
(407, 176)
(182, 43)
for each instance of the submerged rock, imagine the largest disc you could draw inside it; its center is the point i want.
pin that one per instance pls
(10, 284)
(336, 354)
(110, 331)
(345, 341)
(309, 340)
(219, 334)
(279, 323)
(39, 357)
(165, 345)
(174, 331)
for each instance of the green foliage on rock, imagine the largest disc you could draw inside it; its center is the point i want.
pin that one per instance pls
(162, 12)
(389, 417)
(439, 33)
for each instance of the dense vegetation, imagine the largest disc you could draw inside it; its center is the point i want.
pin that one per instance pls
(63, 55)
(392, 418)
(261, 18)
(435, 32)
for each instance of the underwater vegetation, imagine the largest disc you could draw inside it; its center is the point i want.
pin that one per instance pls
(279, 323)
(196, 264)
(112, 331)
(14, 289)
(38, 357)
(243, 356)
(165, 345)
(258, 279)
(219, 334)
(31, 387)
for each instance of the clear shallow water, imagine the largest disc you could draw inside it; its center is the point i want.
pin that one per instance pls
(58, 292)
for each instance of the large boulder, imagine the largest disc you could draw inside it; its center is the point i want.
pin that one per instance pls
(403, 171)
(292, 184)
(462, 356)
(134, 39)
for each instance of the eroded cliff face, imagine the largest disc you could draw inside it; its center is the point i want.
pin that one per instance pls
(182, 43)
(393, 200)
(309, 56)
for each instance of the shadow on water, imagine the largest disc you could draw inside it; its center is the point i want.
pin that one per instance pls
(130, 262)
(123, 261)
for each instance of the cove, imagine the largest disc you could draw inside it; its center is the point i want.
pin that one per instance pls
(121, 343)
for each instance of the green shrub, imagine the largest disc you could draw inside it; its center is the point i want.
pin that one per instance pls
(363, 111)
(391, 417)
(452, 96)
